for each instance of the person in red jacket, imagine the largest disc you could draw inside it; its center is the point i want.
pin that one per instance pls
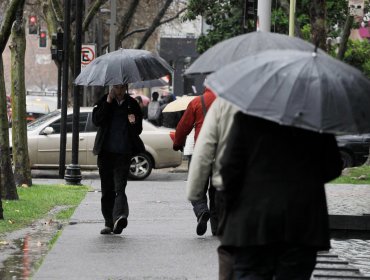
(193, 118)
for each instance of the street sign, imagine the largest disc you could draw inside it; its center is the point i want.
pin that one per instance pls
(356, 8)
(88, 54)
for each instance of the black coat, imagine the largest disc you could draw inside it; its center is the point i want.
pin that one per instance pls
(102, 114)
(274, 180)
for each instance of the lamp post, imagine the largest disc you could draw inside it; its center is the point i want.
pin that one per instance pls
(73, 172)
(292, 17)
(63, 125)
(113, 18)
(264, 15)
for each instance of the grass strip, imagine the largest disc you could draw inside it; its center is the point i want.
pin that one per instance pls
(354, 175)
(35, 202)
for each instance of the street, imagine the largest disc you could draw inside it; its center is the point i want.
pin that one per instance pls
(159, 243)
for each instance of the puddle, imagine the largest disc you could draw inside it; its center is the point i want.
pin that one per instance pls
(22, 251)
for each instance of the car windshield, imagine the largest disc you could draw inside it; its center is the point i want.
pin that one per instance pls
(33, 125)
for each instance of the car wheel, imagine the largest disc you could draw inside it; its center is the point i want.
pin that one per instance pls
(141, 166)
(347, 159)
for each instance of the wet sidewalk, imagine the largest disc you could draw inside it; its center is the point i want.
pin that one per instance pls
(160, 240)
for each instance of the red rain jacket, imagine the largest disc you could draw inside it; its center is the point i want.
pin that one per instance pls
(193, 117)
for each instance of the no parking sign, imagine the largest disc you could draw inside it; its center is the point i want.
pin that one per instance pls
(87, 54)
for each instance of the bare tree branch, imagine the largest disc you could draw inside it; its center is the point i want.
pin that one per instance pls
(8, 19)
(162, 22)
(146, 28)
(126, 21)
(91, 13)
(156, 22)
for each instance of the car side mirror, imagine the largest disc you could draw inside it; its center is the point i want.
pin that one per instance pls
(48, 130)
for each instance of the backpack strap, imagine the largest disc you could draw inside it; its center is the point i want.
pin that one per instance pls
(204, 108)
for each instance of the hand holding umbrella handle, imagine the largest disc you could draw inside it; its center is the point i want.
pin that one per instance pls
(131, 118)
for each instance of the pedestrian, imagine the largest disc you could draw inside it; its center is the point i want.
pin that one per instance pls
(277, 217)
(144, 109)
(119, 121)
(193, 118)
(206, 157)
(154, 110)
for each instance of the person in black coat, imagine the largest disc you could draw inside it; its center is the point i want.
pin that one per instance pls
(119, 121)
(277, 216)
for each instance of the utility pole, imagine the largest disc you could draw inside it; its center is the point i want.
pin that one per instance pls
(73, 172)
(264, 15)
(113, 19)
(292, 17)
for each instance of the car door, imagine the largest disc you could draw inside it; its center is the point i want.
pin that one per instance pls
(49, 145)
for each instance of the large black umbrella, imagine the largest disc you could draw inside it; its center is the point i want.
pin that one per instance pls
(241, 46)
(123, 66)
(296, 88)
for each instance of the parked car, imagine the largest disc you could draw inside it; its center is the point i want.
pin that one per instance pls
(44, 141)
(354, 149)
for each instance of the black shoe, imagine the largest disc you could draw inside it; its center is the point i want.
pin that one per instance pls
(106, 230)
(202, 223)
(119, 225)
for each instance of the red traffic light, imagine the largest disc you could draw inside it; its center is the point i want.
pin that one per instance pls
(32, 19)
(43, 39)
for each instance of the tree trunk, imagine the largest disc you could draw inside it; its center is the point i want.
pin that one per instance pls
(1, 211)
(345, 36)
(318, 23)
(156, 22)
(7, 184)
(19, 128)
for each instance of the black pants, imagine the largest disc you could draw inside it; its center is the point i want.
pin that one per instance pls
(278, 262)
(113, 171)
(200, 206)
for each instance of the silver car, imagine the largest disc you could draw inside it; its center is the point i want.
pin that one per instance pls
(44, 141)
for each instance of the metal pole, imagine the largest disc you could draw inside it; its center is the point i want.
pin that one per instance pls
(73, 173)
(292, 17)
(113, 18)
(264, 15)
(59, 91)
(63, 125)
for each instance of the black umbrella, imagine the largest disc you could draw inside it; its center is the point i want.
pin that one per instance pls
(149, 84)
(296, 88)
(241, 46)
(123, 66)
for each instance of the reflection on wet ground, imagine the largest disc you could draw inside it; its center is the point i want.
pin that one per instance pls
(22, 256)
(356, 251)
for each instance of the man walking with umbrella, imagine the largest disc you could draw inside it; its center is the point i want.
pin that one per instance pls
(119, 121)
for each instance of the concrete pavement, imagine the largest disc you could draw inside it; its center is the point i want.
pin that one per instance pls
(160, 241)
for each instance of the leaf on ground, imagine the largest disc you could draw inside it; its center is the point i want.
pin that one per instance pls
(3, 242)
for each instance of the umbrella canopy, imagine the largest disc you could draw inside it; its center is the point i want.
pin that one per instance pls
(238, 47)
(295, 88)
(123, 66)
(180, 104)
(149, 84)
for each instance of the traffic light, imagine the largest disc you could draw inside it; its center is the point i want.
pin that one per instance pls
(43, 39)
(57, 46)
(32, 25)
